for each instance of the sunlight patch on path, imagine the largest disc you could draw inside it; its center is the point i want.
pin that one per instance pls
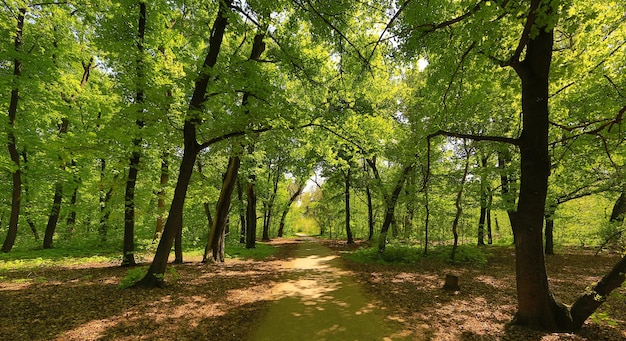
(323, 302)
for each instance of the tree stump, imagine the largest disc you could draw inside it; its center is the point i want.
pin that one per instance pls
(452, 283)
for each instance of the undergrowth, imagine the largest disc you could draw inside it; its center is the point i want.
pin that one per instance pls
(407, 254)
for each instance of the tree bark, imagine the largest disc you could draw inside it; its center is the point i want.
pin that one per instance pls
(459, 207)
(242, 213)
(391, 206)
(70, 222)
(57, 199)
(292, 198)
(128, 255)
(212, 249)
(619, 209)
(16, 194)
(105, 197)
(537, 308)
(164, 178)
(27, 203)
(483, 203)
(508, 194)
(549, 231)
(54, 215)
(349, 236)
(191, 148)
(251, 215)
(269, 204)
(370, 213)
(588, 303)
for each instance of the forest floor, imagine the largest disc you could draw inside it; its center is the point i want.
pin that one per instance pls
(305, 285)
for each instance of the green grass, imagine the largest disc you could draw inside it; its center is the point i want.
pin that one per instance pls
(407, 254)
(31, 259)
(234, 249)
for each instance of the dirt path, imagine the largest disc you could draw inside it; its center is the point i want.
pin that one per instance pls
(322, 301)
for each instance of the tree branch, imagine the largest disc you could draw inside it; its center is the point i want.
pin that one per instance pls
(502, 139)
(380, 38)
(456, 71)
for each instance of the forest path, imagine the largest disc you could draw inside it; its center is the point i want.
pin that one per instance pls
(323, 302)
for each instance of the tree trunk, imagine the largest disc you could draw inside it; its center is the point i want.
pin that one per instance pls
(155, 274)
(489, 232)
(508, 194)
(619, 209)
(370, 213)
(588, 303)
(483, 203)
(165, 175)
(390, 208)
(459, 207)
(549, 232)
(105, 197)
(16, 194)
(71, 216)
(178, 245)
(293, 197)
(269, 205)
(128, 258)
(242, 213)
(347, 195)
(251, 215)
(57, 199)
(27, 203)
(191, 148)
(212, 248)
(537, 308)
(54, 215)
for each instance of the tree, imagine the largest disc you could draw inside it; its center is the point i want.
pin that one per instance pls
(11, 144)
(154, 277)
(531, 60)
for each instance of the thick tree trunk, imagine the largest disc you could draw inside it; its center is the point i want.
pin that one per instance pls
(537, 308)
(191, 148)
(155, 274)
(212, 249)
(16, 194)
(349, 236)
